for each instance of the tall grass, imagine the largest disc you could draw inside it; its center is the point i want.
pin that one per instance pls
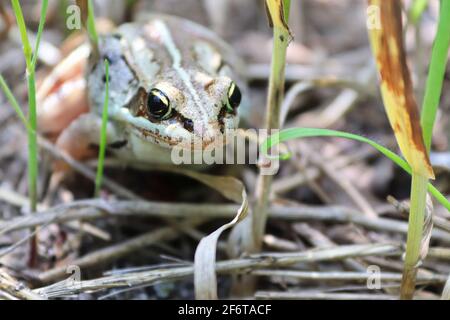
(30, 60)
(102, 148)
(430, 106)
(275, 96)
(436, 73)
(93, 39)
(30, 123)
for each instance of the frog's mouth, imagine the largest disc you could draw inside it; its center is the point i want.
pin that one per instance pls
(189, 142)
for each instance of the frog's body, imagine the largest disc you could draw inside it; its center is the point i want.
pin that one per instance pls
(171, 82)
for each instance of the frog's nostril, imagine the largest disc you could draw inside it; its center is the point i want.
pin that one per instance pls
(188, 124)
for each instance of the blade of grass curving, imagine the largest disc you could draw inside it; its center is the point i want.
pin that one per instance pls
(12, 100)
(40, 30)
(436, 73)
(102, 149)
(295, 133)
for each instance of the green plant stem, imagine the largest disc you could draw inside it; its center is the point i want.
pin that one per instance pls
(32, 142)
(39, 32)
(23, 32)
(32, 118)
(31, 124)
(12, 100)
(419, 185)
(102, 148)
(281, 38)
(436, 73)
(414, 238)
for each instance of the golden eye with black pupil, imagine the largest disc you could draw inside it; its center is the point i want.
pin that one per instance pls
(234, 96)
(158, 105)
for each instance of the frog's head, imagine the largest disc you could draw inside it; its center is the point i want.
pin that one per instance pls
(194, 113)
(167, 91)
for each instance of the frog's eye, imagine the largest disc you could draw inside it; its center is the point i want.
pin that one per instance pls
(158, 105)
(234, 97)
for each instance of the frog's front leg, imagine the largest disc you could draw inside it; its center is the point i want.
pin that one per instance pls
(82, 136)
(62, 95)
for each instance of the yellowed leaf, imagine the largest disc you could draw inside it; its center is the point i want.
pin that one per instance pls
(275, 13)
(386, 37)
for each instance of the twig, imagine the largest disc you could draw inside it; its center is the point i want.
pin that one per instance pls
(114, 252)
(230, 266)
(288, 183)
(345, 185)
(19, 243)
(84, 170)
(94, 209)
(275, 243)
(16, 289)
(318, 239)
(345, 276)
(294, 295)
(14, 198)
(439, 253)
(300, 72)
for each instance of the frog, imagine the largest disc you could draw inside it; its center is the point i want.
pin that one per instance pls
(171, 82)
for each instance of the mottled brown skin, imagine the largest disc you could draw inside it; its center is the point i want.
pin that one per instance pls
(186, 62)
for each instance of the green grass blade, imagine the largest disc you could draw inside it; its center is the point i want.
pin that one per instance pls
(417, 9)
(32, 141)
(92, 31)
(102, 149)
(40, 30)
(31, 82)
(23, 31)
(294, 133)
(12, 100)
(436, 73)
